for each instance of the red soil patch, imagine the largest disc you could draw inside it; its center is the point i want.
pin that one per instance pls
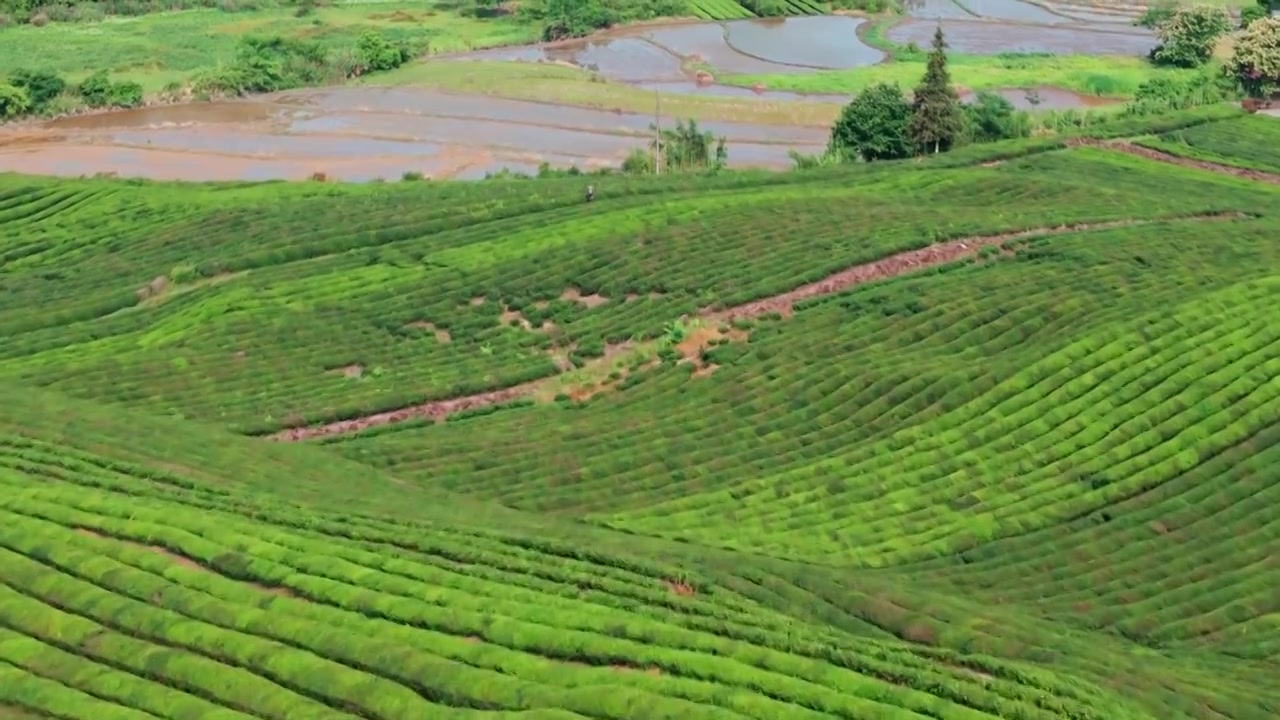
(589, 388)
(441, 334)
(589, 301)
(691, 347)
(1125, 146)
(351, 372)
(155, 288)
(510, 316)
(436, 410)
(680, 588)
(701, 338)
(560, 356)
(913, 260)
(705, 370)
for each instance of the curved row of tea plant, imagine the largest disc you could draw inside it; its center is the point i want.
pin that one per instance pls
(206, 585)
(226, 308)
(123, 585)
(1141, 508)
(1251, 142)
(668, 442)
(1035, 484)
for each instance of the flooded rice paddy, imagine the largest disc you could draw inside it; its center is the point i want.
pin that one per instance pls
(367, 133)
(980, 37)
(361, 134)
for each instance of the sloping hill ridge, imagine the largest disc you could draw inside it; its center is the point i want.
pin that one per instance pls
(987, 436)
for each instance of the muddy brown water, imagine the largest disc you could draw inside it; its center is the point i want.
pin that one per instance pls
(623, 59)
(1042, 13)
(361, 134)
(812, 42)
(756, 46)
(365, 133)
(1012, 10)
(983, 37)
(1046, 98)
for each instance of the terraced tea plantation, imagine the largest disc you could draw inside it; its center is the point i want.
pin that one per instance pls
(1251, 143)
(992, 435)
(736, 9)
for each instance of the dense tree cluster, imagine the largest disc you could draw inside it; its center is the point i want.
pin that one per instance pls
(262, 64)
(1189, 36)
(1255, 62)
(28, 91)
(881, 124)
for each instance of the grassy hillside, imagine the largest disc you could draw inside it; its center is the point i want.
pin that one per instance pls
(991, 435)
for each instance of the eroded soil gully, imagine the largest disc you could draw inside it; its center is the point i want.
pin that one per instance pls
(1127, 146)
(783, 304)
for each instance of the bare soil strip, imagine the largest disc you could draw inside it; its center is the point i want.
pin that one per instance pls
(783, 304)
(1126, 146)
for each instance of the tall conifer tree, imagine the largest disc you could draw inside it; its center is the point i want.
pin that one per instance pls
(936, 119)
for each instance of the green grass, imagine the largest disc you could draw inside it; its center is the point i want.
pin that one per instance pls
(171, 47)
(1104, 76)
(548, 82)
(1249, 143)
(1038, 482)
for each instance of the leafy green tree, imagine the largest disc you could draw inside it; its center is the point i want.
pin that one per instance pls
(1255, 62)
(936, 118)
(873, 126)
(13, 101)
(1188, 38)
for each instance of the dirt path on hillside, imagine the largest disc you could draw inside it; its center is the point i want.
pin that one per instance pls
(1127, 146)
(902, 263)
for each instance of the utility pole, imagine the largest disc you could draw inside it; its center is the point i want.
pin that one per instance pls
(657, 132)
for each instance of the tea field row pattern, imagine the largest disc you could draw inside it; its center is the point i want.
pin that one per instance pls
(157, 299)
(1249, 142)
(1027, 471)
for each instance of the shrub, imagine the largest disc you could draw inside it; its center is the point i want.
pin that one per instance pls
(13, 101)
(41, 86)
